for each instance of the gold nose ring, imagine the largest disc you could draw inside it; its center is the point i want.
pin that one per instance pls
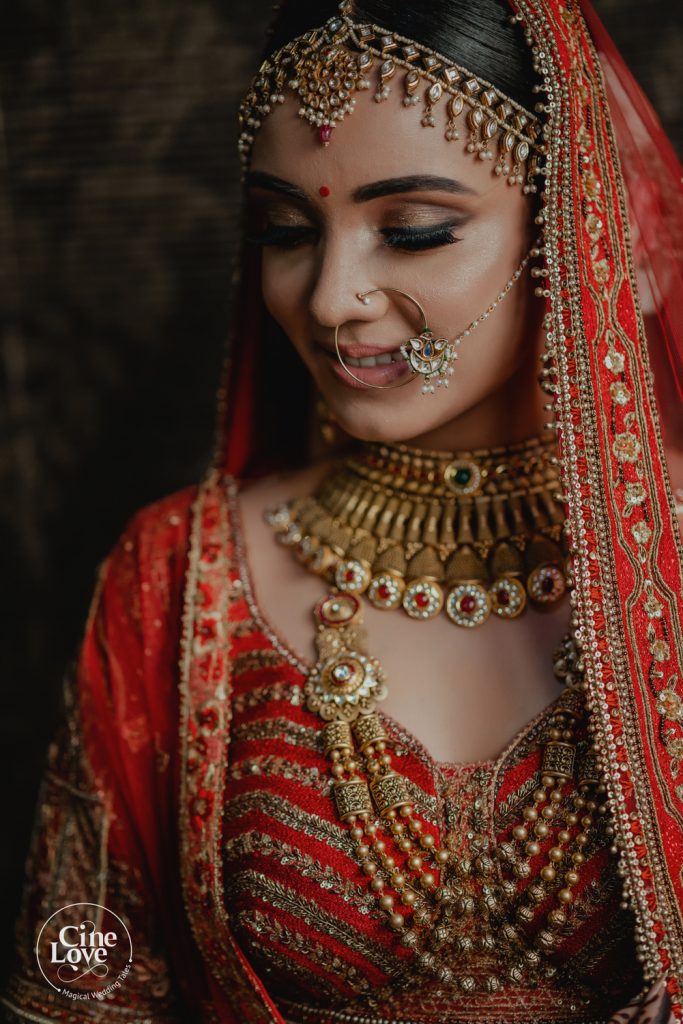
(364, 297)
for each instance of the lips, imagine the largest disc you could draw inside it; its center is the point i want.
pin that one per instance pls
(381, 360)
(369, 364)
(356, 350)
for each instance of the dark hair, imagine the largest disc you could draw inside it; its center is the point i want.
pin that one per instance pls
(476, 34)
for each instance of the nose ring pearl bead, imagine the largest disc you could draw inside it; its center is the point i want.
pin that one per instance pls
(363, 298)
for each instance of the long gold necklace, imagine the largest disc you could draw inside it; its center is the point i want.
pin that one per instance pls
(446, 906)
(473, 533)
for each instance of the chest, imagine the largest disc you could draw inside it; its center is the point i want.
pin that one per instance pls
(463, 693)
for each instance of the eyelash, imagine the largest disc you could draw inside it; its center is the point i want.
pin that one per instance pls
(420, 239)
(406, 239)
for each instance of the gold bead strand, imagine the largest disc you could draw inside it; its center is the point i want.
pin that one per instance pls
(390, 795)
(337, 737)
(375, 842)
(380, 771)
(533, 822)
(571, 877)
(556, 769)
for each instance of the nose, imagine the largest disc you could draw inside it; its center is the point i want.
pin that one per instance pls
(339, 280)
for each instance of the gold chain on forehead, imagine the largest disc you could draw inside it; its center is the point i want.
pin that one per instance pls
(326, 66)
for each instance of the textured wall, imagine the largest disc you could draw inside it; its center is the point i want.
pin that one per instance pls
(118, 212)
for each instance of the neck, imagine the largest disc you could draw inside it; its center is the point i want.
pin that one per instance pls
(512, 413)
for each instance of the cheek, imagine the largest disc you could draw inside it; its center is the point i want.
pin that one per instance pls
(470, 289)
(284, 285)
(483, 262)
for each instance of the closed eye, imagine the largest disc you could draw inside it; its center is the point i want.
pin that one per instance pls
(283, 236)
(421, 239)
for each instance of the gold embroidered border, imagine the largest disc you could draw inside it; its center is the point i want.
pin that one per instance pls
(204, 734)
(593, 504)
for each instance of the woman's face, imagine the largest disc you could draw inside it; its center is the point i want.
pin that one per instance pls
(392, 204)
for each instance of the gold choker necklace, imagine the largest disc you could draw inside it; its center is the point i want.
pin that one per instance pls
(438, 898)
(473, 533)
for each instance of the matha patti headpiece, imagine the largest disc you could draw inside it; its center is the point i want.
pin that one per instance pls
(326, 66)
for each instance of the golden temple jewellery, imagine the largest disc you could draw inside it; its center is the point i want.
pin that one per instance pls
(472, 534)
(426, 355)
(443, 900)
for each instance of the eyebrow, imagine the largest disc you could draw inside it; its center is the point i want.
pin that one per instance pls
(410, 183)
(259, 179)
(364, 193)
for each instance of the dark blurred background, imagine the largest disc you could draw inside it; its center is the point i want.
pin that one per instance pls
(118, 219)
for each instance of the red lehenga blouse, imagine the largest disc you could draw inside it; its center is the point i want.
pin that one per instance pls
(297, 905)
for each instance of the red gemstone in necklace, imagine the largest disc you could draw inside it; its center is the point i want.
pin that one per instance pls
(548, 584)
(325, 134)
(421, 599)
(468, 604)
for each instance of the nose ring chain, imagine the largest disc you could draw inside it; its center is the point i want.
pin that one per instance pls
(426, 355)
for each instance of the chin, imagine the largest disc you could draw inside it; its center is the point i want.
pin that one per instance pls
(394, 425)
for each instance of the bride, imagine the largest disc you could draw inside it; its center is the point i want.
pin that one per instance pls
(381, 722)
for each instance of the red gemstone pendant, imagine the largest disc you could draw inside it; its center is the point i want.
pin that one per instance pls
(468, 605)
(508, 597)
(423, 598)
(386, 590)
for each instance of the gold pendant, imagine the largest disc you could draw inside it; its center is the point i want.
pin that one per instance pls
(345, 682)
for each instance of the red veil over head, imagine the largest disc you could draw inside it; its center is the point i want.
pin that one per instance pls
(613, 234)
(652, 181)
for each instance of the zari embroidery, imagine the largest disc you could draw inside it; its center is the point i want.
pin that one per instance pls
(310, 951)
(203, 743)
(323, 875)
(311, 825)
(587, 326)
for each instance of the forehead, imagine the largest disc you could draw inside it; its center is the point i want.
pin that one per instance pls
(374, 142)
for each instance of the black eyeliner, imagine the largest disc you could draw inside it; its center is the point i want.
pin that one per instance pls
(408, 239)
(418, 239)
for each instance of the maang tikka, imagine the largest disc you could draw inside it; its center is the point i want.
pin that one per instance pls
(327, 66)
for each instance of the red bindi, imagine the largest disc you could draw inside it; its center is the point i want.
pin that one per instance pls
(324, 191)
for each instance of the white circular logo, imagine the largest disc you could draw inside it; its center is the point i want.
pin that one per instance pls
(84, 951)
